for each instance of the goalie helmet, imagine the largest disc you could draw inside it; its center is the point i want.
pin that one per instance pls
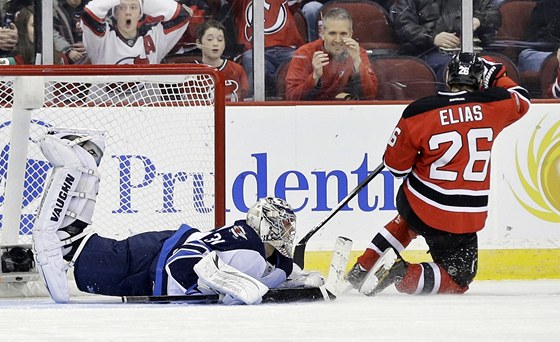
(274, 220)
(465, 68)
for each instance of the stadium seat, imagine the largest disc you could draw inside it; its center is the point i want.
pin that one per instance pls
(301, 25)
(371, 25)
(511, 67)
(516, 20)
(547, 75)
(403, 77)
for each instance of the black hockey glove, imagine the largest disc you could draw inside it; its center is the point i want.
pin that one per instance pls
(492, 72)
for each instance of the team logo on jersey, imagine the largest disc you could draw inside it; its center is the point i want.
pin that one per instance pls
(275, 17)
(541, 178)
(238, 232)
(133, 60)
(231, 88)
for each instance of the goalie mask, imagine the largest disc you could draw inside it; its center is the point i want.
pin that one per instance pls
(465, 69)
(274, 220)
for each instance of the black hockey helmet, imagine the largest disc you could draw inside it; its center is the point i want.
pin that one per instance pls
(465, 68)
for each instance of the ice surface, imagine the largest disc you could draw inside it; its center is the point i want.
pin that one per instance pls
(490, 311)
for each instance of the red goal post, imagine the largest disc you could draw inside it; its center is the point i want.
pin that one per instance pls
(164, 161)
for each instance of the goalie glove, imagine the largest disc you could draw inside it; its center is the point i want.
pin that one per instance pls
(301, 278)
(492, 72)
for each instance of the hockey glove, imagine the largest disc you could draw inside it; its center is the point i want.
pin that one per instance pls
(301, 278)
(492, 72)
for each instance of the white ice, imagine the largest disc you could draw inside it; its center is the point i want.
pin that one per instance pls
(490, 311)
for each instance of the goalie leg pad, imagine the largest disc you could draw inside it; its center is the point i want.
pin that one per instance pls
(219, 276)
(69, 196)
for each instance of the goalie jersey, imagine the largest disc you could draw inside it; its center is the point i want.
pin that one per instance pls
(453, 133)
(155, 40)
(237, 245)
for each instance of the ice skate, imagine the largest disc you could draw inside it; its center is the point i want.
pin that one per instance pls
(389, 269)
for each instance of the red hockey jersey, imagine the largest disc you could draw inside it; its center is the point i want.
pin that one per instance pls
(442, 145)
(279, 24)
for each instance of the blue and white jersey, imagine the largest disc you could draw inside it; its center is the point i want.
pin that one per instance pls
(238, 246)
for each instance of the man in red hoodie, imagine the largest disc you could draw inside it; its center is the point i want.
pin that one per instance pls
(332, 67)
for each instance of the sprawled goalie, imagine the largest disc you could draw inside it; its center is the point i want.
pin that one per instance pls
(232, 261)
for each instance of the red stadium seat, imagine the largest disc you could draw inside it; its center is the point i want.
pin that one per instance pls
(516, 20)
(403, 78)
(371, 25)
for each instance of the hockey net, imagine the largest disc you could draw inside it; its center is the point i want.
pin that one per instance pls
(164, 158)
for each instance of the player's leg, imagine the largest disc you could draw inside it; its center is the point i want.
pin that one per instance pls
(67, 204)
(395, 235)
(119, 267)
(453, 268)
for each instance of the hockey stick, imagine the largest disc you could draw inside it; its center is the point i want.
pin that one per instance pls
(299, 250)
(284, 295)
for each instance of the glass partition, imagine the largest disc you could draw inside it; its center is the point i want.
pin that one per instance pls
(298, 50)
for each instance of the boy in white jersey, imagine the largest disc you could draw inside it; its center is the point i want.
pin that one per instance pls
(124, 39)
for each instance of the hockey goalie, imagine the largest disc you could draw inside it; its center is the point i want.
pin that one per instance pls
(240, 262)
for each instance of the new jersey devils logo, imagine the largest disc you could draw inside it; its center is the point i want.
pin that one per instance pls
(275, 17)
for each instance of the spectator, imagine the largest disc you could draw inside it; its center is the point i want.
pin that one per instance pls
(312, 12)
(431, 30)
(545, 30)
(281, 38)
(121, 40)
(8, 33)
(210, 39)
(69, 30)
(331, 67)
(24, 52)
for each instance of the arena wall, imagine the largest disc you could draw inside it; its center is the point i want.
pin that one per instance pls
(313, 155)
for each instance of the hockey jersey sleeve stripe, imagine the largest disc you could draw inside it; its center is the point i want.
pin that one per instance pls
(462, 199)
(95, 24)
(179, 19)
(556, 89)
(397, 173)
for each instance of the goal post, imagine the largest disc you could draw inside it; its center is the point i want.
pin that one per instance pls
(164, 160)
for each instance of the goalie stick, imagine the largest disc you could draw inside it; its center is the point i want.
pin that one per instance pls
(284, 295)
(299, 250)
(339, 260)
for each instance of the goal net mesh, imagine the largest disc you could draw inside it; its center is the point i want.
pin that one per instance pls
(159, 165)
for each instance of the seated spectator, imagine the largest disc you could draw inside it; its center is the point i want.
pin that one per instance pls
(121, 40)
(210, 39)
(332, 67)
(281, 38)
(8, 35)
(545, 30)
(24, 52)
(311, 10)
(431, 30)
(69, 38)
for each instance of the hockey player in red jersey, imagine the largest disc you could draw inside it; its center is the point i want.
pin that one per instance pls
(210, 39)
(441, 146)
(122, 40)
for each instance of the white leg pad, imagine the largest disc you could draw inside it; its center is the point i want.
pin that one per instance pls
(219, 276)
(69, 196)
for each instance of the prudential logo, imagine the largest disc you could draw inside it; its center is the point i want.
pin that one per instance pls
(540, 179)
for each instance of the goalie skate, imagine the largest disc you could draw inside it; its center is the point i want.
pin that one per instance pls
(69, 199)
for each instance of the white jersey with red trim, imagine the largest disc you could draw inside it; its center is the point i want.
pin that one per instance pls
(105, 45)
(442, 145)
